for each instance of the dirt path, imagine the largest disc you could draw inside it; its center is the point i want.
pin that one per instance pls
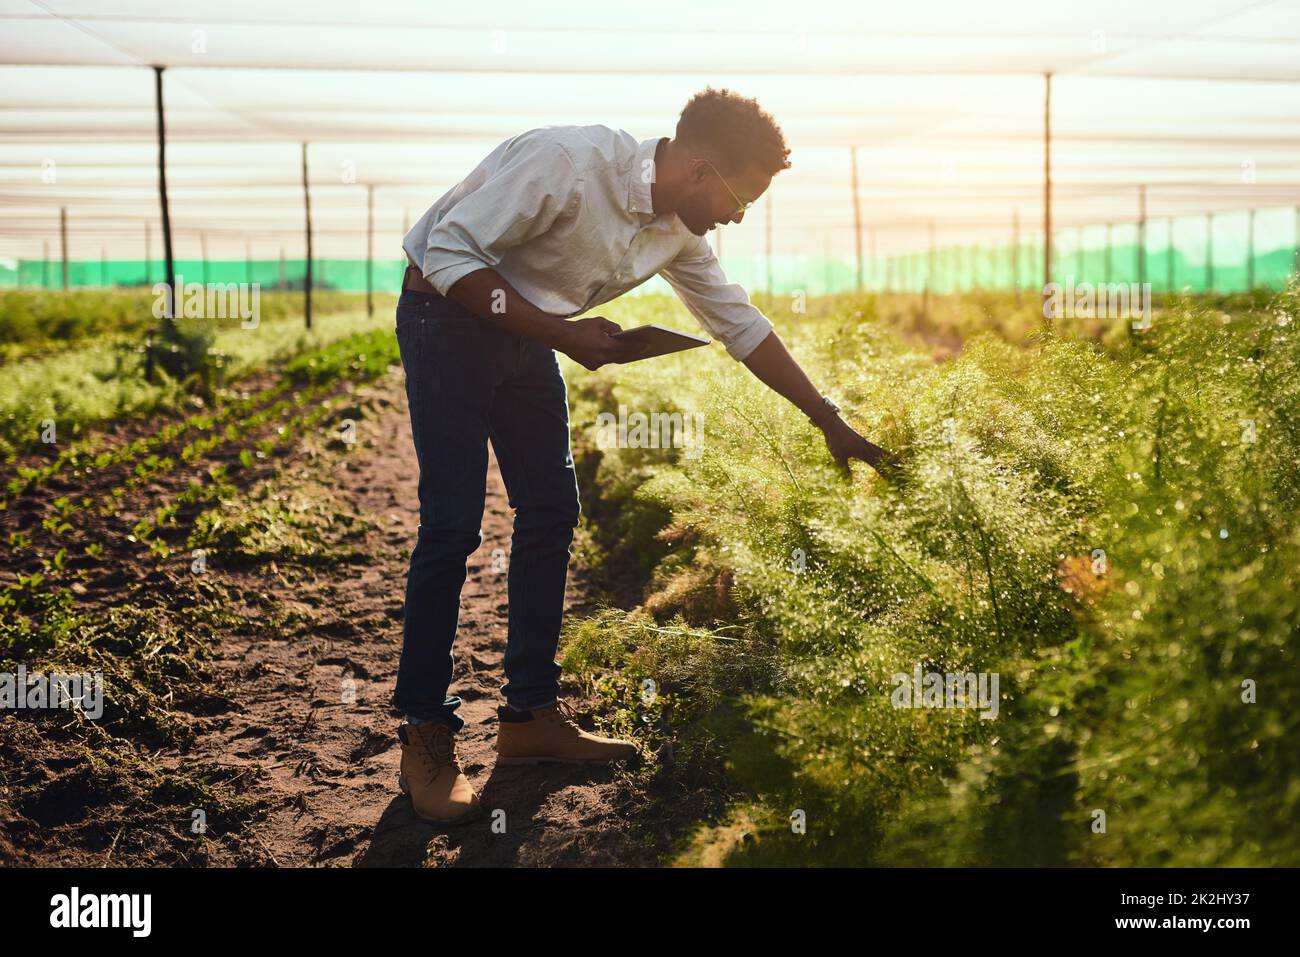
(312, 688)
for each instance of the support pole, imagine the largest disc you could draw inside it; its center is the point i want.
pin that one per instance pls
(1110, 253)
(1209, 253)
(1142, 236)
(1047, 179)
(1296, 258)
(769, 241)
(1250, 253)
(170, 264)
(1015, 253)
(370, 249)
(929, 271)
(1169, 258)
(306, 203)
(826, 265)
(857, 216)
(875, 264)
(63, 241)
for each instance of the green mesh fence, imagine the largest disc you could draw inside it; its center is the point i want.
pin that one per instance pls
(343, 274)
(1223, 252)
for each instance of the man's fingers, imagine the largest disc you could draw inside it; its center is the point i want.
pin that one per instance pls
(627, 351)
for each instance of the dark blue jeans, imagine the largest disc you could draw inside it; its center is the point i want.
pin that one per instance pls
(469, 380)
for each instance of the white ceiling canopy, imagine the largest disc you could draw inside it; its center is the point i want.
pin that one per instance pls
(943, 100)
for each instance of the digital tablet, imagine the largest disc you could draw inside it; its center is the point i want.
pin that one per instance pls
(660, 341)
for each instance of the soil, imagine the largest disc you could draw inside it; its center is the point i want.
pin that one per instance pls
(295, 713)
(344, 807)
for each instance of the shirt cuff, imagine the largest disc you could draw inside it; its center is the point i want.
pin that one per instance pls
(444, 274)
(749, 340)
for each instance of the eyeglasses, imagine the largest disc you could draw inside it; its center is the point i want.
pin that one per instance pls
(742, 204)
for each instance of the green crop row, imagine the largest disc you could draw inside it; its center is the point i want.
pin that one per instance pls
(65, 394)
(1114, 534)
(33, 320)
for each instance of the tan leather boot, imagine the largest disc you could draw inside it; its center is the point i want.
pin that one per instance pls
(551, 734)
(431, 774)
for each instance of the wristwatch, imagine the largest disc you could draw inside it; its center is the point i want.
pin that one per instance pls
(834, 410)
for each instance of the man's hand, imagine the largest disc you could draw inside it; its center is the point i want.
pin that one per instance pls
(845, 444)
(589, 342)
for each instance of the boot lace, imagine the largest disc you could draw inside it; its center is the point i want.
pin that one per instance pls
(567, 713)
(440, 748)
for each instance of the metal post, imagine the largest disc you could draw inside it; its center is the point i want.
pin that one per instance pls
(769, 241)
(1142, 235)
(370, 249)
(1209, 253)
(929, 270)
(1296, 258)
(306, 203)
(1250, 253)
(1110, 253)
(1015, 253)
(1169, 258)
(63, 240)
(930, 267)
(170, 264)
(857, 216)
(875, 265)
(826, 265)
(1047, 179)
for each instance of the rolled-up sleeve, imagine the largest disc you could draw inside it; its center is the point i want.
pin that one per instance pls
(721, 307)
(533, 185)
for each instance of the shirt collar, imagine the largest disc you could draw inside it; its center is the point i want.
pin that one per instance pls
(638, 189)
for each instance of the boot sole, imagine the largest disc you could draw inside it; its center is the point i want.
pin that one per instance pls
(470, 815)
(547, 759)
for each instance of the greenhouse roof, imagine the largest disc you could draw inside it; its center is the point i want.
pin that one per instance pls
(942, 100)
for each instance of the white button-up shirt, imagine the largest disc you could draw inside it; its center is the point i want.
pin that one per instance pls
(564, 214)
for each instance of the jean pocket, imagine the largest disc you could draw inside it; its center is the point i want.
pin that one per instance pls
(410, 334)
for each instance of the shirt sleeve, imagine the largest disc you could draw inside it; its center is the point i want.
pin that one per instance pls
(535, 182)
(721, 307)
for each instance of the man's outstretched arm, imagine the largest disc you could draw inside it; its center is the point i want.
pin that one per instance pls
(723, 308)
(773, 365)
